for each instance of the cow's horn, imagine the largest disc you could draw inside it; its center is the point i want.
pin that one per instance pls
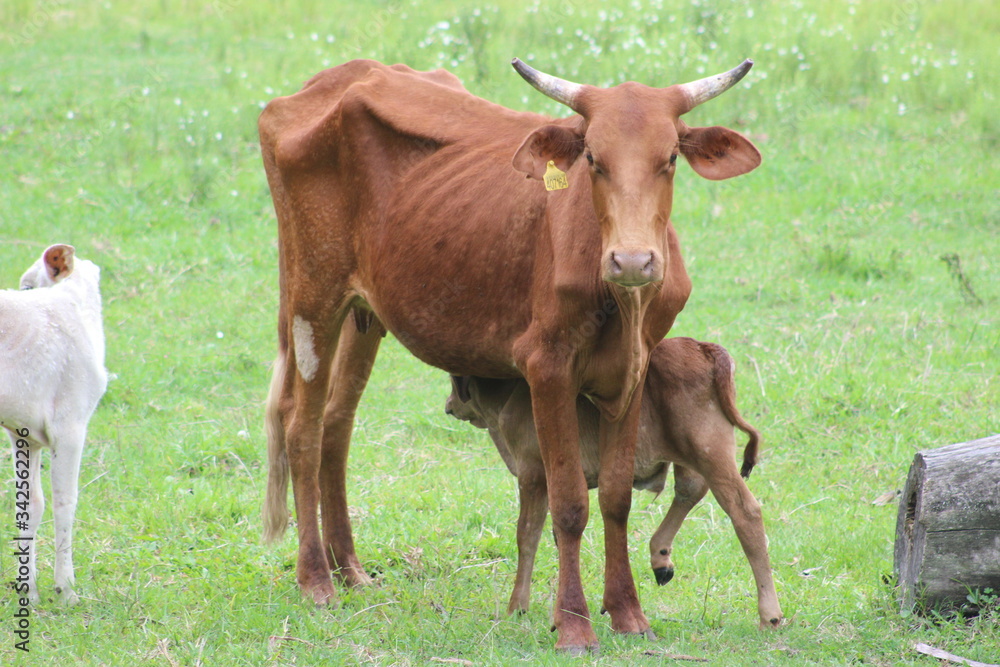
(705, 89)
(558, 89)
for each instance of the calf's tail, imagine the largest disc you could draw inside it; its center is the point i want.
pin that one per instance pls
(725, 389)
(276, 497)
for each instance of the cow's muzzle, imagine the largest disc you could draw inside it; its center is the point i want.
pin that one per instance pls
(633, 268)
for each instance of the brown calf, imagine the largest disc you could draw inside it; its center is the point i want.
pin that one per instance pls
(688, 414)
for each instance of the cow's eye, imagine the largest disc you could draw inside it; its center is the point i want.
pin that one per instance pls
(673, 158)
(596, 167)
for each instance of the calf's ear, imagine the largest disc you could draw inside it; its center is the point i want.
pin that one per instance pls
(559, 144)
(58, 261)
(717, 153)
(460, 385)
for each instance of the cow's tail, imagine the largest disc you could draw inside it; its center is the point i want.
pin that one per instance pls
(276, 497)
(725, 389)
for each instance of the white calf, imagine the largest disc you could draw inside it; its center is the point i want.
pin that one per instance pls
(51, 378)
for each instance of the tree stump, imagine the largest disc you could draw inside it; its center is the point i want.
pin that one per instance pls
(948, 527)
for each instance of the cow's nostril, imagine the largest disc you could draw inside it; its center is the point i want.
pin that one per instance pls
(615, 264)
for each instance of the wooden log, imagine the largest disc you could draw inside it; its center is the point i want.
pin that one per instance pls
(948, 526)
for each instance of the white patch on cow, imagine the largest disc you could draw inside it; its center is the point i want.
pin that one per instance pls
(305, 355)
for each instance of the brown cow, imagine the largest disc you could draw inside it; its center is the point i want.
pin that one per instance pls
(397, 205)
(688, 414)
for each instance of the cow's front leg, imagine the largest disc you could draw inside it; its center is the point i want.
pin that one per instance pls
(617, 443)
(553, 400)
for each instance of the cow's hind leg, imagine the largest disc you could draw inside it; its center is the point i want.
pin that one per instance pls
(313, 336)
(67, 448)
(743, 509)
(689, 489)
(352, 367)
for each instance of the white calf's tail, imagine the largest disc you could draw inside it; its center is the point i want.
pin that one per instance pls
(276, 497)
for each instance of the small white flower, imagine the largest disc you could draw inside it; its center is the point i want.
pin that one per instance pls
(219, 334)
(70, 115)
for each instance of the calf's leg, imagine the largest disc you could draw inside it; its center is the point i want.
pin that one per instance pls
(67, 448)
(689, 489)
(743, 509)
(29, 504)
(531, 519)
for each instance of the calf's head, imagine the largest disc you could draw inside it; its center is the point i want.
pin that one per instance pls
(630, 135)
(54, 266)
(478, 401)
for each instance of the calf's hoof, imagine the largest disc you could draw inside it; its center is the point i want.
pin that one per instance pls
(772, 623)
(663, 574)
(67, 596)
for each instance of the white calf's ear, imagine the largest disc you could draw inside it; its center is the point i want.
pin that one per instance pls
(58, 260)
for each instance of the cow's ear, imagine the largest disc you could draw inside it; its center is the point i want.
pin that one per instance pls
(717, 153)
(58, 261)
(559, 144)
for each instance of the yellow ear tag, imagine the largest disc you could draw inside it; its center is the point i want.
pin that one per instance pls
(555, 178)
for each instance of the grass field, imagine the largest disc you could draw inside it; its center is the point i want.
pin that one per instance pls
(129, 130)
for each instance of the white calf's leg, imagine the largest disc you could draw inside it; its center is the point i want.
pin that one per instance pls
(29, 505)
(67, 449)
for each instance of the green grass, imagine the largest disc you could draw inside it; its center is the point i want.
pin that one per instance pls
(130, 132)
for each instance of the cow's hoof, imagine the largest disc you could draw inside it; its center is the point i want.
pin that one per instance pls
(663, 574)
(580, 651)
(321, 596)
